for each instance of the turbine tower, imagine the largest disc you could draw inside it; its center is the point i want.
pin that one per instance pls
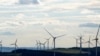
(96, 39)
(48, 43)
(80, 45)
(54, 39)
(1, 45)
(16, 46)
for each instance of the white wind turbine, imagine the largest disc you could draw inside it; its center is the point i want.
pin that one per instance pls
(48, 43)
(80, 44)
(15, 44)
(1, 45)
(37, 45)
(44, 45)
(54, 39)
(96, 39)
(40, 44)
(76, 39)
(89, 43)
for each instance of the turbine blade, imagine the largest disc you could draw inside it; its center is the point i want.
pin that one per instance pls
(93, 39)
(96, 39)
(12, 44)
(49, 33)
(48, 38)
(1, 41)
(98, 42)
(16, 41)
(83, 42)
(86, 42)
(76, 38)
(98, 32)
(36, 41)
(60, 36)
(45, 42)
(91, 43)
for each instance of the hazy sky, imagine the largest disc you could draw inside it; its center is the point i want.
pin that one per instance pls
(26, 22)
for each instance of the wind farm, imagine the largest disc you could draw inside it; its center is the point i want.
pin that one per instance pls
(41, 47)
(49, 28)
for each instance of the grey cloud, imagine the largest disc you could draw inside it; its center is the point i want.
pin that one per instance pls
(29, 1)
(89, 25)
(8, 33)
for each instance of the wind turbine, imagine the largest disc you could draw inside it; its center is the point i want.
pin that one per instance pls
(54, 39)
(48, 43)
(1, 45)
(89, 42)
(80, 44)
(96, 39)
(40, 44)
(76, 39)
(43, 45)
(16, 46)
(37, 45)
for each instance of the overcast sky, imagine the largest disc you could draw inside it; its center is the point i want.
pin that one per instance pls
(26, 22)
